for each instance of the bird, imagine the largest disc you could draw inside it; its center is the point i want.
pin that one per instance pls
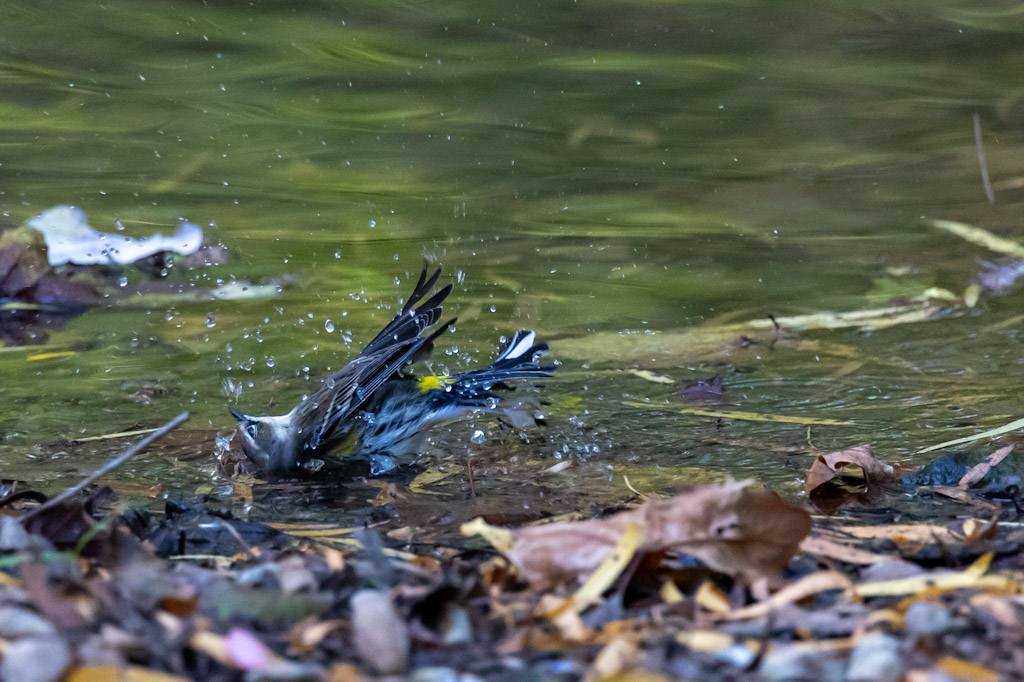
(385, 411)
(398, 417)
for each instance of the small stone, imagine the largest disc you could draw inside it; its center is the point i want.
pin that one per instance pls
(928, 619)
(797, 663)
(35, 659)
(876, 658)
(17, 622)
(381, 636)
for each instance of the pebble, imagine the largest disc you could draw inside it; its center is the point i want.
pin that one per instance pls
(876, 658)
(928, 619)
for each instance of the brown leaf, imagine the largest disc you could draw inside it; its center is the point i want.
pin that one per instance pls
(105, 673)
(981, 469)
(827, 467)
(726, 526)
(963, 496)
(706, 390)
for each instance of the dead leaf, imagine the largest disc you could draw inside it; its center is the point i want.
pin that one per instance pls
(837, 478)
(711, 598)
(974, 576)
(726, 526)
(826, 467)
(801, 589)
(648, 375)
(616, 655)
(966, 670)
(307, 633)
(106, 673)
(818, 545)
(562, 613)
(902, 533)
(609, 571)
(963, 496)
(981, 469)
(706, 390)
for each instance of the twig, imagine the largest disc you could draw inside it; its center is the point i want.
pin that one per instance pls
(981, 160)
(109, 466)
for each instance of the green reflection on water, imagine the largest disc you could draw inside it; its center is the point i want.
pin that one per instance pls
(580, 169)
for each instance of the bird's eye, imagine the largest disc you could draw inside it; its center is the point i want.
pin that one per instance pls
(251, 430)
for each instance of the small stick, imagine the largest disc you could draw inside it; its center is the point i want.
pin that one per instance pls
(109, 466)
(981, 160)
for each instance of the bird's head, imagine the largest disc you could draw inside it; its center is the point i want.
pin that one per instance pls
(270, 442)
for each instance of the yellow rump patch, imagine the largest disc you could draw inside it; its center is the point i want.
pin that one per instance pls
(434, 383)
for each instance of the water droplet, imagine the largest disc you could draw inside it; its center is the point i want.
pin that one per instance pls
(337, 254)
(329, 326)
(211, 322)
(478, 436)
(373, 223)
(123, 282)
(270, 362)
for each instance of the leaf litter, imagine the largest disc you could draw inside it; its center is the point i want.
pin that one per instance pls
(717, 581)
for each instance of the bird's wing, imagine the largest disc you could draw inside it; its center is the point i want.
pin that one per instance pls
(324, 415)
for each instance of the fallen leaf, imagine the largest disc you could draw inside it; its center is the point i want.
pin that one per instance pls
(307, 633)
(818, 545)
(981, 237)
(616, 655)
(648, 375)
(706, 390)
(839, 477)
(991, 433)
(607, 573)
(711, 598)
(974, 576)
(981, 469)
(902, 532)
(745, 416)
(708, 641)
(966, 670)
(963, 496)
(807, 586)
(828, 466)
(562, 613)
(726, 526)
(110, 673)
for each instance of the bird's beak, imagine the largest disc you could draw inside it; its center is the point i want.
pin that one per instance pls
(239, 416)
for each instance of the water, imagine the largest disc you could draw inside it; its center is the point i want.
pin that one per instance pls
(606, 173)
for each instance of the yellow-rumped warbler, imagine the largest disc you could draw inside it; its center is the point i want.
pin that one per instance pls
(387, 412)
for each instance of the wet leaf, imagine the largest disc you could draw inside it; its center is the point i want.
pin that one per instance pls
(977, 235)
(991, 433)
(828, 466)
(745, 416)
(648, 375)
(726, 526)
(980, 470)
(705, 390)
(838, 477)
